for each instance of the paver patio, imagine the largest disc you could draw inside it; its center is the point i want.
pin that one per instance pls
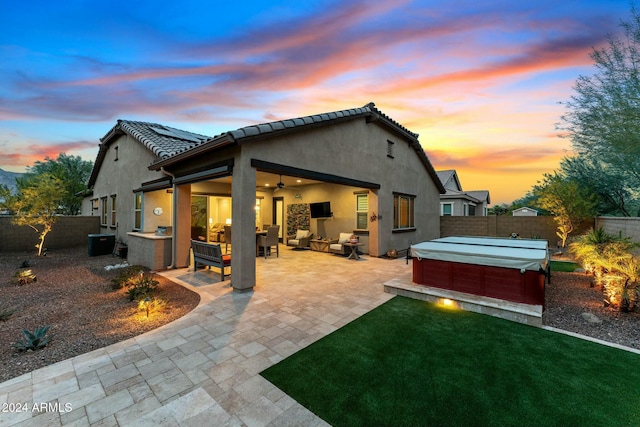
(203, 369)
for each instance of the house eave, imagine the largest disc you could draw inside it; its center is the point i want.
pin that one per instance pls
(217, 143)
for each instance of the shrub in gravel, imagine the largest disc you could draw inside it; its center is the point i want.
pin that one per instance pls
(152, 304)
(609, 259)
(126, 276)
(24, 277)
(144, 285)
(6, 313)
(33, 340)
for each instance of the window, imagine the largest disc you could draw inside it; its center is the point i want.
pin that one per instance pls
(362, 211)
(95, 205)
(472, 210)
(390, 149)
(113, 210)
(103, 211)
(258, 213)
(137, 212)
(403, 211)
(446, 209)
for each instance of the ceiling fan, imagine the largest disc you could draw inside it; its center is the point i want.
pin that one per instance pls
(281, 185)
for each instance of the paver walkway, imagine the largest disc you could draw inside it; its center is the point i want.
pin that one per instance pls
(204, 369)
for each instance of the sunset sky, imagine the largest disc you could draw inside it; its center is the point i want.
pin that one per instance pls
(480, 81)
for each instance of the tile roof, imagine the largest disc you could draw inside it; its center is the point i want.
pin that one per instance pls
(163, 141)
(265, 128)
(171, 144)
(270, 128)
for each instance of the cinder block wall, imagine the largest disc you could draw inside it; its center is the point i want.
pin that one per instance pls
(629, 227)
(68, 231)
(541, 227)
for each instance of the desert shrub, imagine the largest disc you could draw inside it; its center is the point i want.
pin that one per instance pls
(126, 276)
(6, 313)
(152, 304)
(24, 277)
(33, 340)
(609, 259)
(143, 286)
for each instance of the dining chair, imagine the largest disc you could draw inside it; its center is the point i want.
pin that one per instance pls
(270, 240)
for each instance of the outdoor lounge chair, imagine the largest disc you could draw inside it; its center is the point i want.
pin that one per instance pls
(336, 245)
(300, 240)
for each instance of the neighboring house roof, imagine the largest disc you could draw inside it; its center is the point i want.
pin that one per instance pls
(450, 194)
(449, 179)
(482, 195)
(451, 183)
(266, 130)
(525, 209)
(163, 141)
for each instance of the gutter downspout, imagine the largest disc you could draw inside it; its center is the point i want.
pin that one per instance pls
(174, 207)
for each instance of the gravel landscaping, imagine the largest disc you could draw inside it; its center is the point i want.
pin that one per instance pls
(73, 295)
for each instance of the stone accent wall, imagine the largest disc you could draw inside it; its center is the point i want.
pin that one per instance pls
(629, 227)
(68, 231)
(542, 227)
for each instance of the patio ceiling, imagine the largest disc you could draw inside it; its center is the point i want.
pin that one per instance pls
(264, 178)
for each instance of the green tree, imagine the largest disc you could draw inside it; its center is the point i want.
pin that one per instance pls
(608, 184)
(36, 204)
(569, 203)
(73, 173)
(603, 116)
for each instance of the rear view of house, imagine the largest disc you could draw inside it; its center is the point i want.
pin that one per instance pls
(157, 187)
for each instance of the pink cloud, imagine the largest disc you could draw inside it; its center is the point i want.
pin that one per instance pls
(27, 155)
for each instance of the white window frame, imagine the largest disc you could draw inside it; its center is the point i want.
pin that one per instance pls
(104, 209)
(442, 205)
(362, 211)
(138, 199)
(113, 211)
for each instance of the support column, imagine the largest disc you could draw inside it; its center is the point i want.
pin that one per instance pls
(243, 223)
(181, 225)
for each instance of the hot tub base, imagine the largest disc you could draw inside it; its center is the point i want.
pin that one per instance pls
(528, 314)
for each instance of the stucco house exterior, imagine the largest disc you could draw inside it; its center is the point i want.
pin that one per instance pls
(156, 187)
(457, 202)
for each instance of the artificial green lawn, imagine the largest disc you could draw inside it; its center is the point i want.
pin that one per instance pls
(564, 266)
(410, 362)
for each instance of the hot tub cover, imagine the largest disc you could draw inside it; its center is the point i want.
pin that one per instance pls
(521, 254)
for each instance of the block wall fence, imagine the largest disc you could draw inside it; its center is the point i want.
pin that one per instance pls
(628, 226)
(527, 227)
(68, 231)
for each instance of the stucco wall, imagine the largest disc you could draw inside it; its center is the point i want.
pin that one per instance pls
(629, 227)
(358, 150)
(543, 227)
(68, 231)
(121, 172)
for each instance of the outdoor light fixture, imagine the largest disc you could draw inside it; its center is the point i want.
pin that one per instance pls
(448, 303)
(144, 304)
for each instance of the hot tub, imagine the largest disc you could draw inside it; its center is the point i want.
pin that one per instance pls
(507, 269)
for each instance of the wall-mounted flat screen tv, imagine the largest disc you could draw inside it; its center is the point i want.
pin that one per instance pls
(320, 210)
